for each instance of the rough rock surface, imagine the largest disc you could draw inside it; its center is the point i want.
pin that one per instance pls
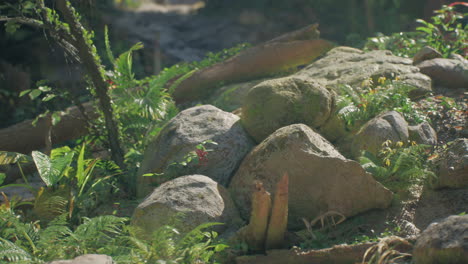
(443, 242)
(453, 165)
(280, 102)
(344, 65)
(426, 53)
(423, 134)
(188, 200)
(231, 97)
(335, 128)
(320, 178)
(387, 126)
(181, 135)
(86, 259)
(448, 73)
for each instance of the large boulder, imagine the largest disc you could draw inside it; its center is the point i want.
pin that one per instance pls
(387, 126)
(231, 97)
(320, 178)
(183, 133)
(423, 134)
(426, 53)
(452, 165)
(443, 242)
(344, 65)
(185, 203)
(449, 73)
(280, 102)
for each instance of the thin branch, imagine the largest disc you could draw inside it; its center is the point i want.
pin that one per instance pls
(61, 35)
(24, 20)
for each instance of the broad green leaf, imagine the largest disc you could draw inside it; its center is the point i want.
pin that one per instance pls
(51, 170)
(44, 88)
(34, 94)
(80, 164)
(23, 93)
(12, 157)
(48, 97)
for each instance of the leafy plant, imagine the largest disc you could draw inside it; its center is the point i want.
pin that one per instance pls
(403, 44)
(198, 157)
(67, 187)
(446, 33)
(399, 165)
(170, 246)
(386, 95)
(32, 242)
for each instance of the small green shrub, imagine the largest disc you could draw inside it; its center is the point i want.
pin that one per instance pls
(33, 242)
(399, 165)
(375, 99)
(446, 33)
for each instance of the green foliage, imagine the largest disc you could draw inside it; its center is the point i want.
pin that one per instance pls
(399, 165)
(198, 157)
(403, 44)
(142, 107)
(52, 170)
(70, 185)
(375, 99)
(36, 243)
(31, 241)
(446, 34)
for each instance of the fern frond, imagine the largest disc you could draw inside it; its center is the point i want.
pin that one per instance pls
(12, 252)
(95, 231)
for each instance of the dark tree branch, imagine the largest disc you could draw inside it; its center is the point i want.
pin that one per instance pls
(93, 66)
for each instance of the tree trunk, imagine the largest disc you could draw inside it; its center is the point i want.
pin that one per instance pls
(93, 67)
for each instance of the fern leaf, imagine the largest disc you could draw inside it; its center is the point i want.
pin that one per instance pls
(12, 252)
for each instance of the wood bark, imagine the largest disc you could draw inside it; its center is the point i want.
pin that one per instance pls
(279, 215)
(254, 233)
(280, 54)
(93, 67)
(25, 137)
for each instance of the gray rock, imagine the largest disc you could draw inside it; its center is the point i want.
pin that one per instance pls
(423, 134)
(335, 127)
(387, 126)
(185, 203)
(280, 102)
(452, 165)
(180, 136)
(231, 97)
(444, 242)
(86, 259)
(320, 178)
(446, 72)
(426, 53)
(344, 65)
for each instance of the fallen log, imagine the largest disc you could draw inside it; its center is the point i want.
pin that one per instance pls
(25, 137)
(277, 55)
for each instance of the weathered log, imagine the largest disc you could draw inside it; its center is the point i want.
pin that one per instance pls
(255, 232)
(275, 56)
(279, 215)
(25, 137)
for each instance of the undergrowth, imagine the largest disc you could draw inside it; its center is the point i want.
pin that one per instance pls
(34, 242)
(400, 165)
(377, 97)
